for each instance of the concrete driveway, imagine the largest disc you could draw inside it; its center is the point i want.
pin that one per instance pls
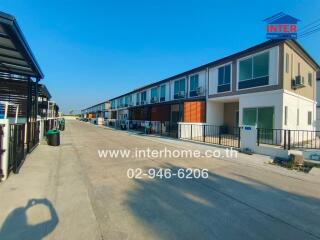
(243, 198)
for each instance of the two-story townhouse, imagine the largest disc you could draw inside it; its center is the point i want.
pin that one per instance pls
(270, 85)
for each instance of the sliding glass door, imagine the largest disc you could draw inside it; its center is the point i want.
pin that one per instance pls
(262, 117)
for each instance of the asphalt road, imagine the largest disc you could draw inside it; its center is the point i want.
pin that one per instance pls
(235, 202)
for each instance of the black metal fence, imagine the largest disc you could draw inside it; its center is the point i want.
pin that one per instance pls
(163, 128)
(17, 151)
(289, 139)
(220, 135)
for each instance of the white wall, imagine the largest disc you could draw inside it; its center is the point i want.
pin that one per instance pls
(294, 102)
(5, 147)
(263, 99)
(214, 112)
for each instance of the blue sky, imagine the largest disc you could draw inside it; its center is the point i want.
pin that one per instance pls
(93, 50)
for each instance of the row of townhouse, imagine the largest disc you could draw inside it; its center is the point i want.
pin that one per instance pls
(270, 85)
(26, 106)
(97, 113)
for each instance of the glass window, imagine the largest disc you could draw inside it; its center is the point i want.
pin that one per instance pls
(224, 75)
(227, 74)
(261, 65)
(287, 63)
(285, 115)
(309, 118)
(176, 87)
(179, 86)
(182, 85)
(249, 116)
(310, 79)
(126, 101)
(245, 71)
(138, 99)
(194, 82)
(254, 67)
(162, 92)
(154, 94)
(143, 96)
(220, 75)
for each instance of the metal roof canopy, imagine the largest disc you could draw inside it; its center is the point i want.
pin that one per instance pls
(44, 92)
(15, 54)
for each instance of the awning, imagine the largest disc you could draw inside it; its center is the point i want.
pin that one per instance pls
(15, 54)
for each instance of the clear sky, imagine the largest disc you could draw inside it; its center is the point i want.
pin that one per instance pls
(93, 50)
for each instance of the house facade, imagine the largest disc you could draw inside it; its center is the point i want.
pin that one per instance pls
(271, 85)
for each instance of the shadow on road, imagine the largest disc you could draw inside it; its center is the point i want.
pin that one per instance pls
(16, 225)
(222, 208)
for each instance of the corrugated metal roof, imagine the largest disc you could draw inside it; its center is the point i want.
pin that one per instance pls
(16, 56)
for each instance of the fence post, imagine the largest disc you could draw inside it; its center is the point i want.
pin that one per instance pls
(289, 139)
(204, 133)
(258, 136)
(191, 130)
(160, 128)
(285, 139)
(219, 129)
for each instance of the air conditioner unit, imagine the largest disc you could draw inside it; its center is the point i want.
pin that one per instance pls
(298, 82)
(143, 102)
(154, 99)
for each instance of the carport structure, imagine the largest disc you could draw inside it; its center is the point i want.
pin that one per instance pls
(19, 75)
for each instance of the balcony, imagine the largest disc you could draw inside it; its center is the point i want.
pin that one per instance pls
(179, 95)
(195, 93)
(154, 100)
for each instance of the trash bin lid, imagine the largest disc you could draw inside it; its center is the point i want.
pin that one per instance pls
(52, 131)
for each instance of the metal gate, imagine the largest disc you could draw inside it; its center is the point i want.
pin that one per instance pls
(16, 146)
(33, 132)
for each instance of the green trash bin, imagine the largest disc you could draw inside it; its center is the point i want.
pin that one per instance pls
(53, 137)
(62, 124)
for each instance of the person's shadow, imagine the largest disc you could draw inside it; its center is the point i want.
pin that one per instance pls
(16, 224)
